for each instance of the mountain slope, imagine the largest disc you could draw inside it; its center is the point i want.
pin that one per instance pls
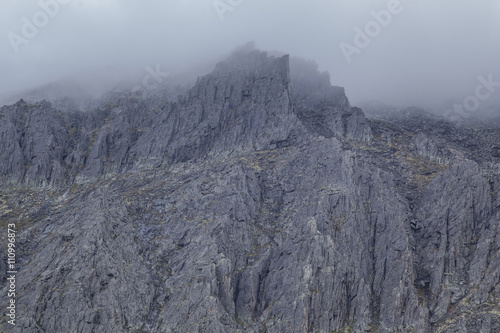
(258, 201)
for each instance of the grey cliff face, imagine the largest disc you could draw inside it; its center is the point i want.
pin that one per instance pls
(259, 200)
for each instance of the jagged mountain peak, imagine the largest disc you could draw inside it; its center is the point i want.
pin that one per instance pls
(245, 103)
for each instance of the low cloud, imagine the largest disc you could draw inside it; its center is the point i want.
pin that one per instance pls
(427, 53)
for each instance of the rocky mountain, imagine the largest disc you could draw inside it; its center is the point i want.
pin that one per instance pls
(259, 200)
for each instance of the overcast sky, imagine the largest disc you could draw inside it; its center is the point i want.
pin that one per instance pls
(428, 51)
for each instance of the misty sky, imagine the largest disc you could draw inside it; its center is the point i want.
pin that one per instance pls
(431, 51)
